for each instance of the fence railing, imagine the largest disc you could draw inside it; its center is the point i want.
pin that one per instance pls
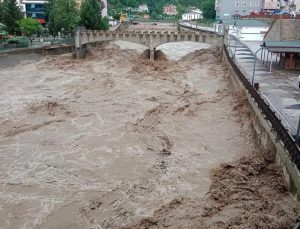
(37, 43)
(282, 132)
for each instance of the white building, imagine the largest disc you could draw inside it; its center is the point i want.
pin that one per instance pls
(192, 15)
(143, 8)
(297, 3)
(104, 10)
(245, 30)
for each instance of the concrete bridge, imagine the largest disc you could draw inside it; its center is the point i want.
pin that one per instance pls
(150, 39)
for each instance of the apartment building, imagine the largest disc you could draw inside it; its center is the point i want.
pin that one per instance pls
(271, 5)
(35, 9)
(227, 9)
(169, 10)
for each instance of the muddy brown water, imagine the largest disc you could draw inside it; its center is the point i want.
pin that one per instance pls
(107, 141)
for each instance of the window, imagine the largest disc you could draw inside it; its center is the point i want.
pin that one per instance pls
(244, 3)
(244, 11)
(32, 6)
(236, 3)
(33, 15)
(251, 3)
(257, 3)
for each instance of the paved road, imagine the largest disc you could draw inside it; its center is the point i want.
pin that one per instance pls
(280, 88)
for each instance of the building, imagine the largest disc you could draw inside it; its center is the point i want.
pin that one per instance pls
(170, 10)
(297, 5)
(104, 8)
(227, 9)
(245, 30)
(192, 15)
(280, 5)
(35, 9)
(146, 16)
(283, 40)
(271, 5)
(143, 8)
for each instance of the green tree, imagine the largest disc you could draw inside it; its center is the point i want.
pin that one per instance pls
(105, 23)
(62, 16)
(208, 8)
(29, 26)
(1, 12)
(10, 15)
(90, 15)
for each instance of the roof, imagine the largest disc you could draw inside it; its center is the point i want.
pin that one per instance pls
(192, 12)
(284, 30)
(245, 23)
(282, 46)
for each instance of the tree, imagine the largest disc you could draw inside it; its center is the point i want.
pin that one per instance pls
(208, 9)
(104, 23)
(1, 12)
(90, 14)
(29, 26)
(11, 14)
(62, 16)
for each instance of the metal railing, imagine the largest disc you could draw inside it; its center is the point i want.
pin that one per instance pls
(282, 132)
(37, 43)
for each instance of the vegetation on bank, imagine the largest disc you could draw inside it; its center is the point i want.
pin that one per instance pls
(63, 17)
(29, 26)
(19, 41)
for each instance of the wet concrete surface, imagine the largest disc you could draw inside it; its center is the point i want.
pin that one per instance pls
(279, 87)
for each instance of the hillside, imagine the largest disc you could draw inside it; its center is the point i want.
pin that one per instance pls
(155, 6)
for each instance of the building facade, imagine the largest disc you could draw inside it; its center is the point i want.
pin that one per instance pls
(143, 8)
(227, 9)
(169, 10)
(35, 9)
(297, 5)
(270, 5)
(104, 8)
(192, 15)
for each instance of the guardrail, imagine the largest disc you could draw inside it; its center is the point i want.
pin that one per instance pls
(38, 43)
(282, 132)
(198, 28)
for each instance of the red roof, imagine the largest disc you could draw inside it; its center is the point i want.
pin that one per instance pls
(41, 20)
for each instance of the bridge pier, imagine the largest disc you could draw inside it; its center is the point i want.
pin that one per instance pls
(81, 52)
(152, 54)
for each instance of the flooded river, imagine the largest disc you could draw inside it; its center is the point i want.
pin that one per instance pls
(107, 141)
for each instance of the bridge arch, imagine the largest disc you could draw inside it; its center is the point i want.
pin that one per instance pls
(176, 50)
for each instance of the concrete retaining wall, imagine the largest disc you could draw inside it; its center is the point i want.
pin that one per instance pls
(14, 57)
(265, 137)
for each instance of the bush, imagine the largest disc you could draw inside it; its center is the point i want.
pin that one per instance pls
(29, 26)
(105, 23)
(19, 41)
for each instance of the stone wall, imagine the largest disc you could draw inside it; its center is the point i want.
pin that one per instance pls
(265, 136)
(14, 57)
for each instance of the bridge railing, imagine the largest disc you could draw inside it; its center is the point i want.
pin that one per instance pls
(282, 132)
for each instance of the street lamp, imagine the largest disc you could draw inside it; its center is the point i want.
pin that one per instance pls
(236, 32)
(253, 73)
(298, 132)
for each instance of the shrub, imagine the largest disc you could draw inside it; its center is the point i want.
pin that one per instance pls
(19, 41)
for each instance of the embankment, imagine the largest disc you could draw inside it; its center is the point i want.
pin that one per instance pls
(269, 137)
